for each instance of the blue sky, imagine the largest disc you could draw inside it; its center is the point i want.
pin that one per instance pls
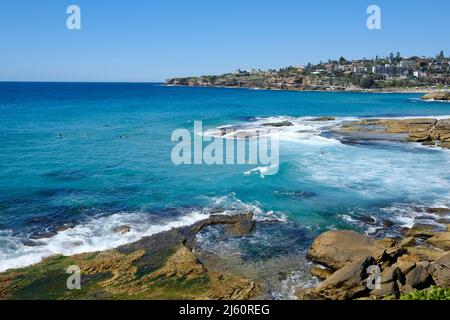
(151, 40)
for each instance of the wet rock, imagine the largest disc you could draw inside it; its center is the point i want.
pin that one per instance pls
(388, 224)
(278, 124)
(438, 211)
(65, 227)
(441, 272)
(429, 143)
(121, 229)
(296, 194)
(335, 249)
(43, 235)
(443, 221)
(243, 227)
(367, 219)
(324, 119)
(445, 145)
(31, 243)
(320, 272)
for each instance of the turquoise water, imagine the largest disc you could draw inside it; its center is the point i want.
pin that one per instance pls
(98, 156)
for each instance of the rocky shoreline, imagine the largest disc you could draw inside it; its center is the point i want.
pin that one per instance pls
(424, 90)
(348, 263)
(162, 266)
(428, 131)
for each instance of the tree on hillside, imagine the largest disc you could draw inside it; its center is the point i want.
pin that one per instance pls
(342, 61)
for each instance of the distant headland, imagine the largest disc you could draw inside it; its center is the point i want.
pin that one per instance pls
(393, 73)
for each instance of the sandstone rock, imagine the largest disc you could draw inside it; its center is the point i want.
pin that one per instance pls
(407, 242)
(441, 272)
(441, 240)
(387, 242)
(438, 96)
(422, 231)
(121, 229)
(335, 249)
(243, 227)
(421, 276)
(423, 253)
(388, 285)
(405, 267)
(346, 283)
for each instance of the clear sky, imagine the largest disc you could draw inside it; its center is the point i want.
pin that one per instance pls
(151, 40)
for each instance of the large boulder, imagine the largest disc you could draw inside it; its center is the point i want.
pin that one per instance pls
(421, 276)
(336, 249)
(441, 273)
(346, 283)
(389, 283)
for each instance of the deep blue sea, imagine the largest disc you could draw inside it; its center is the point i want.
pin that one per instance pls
(97, 155)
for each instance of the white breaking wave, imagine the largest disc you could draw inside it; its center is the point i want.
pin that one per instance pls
(94, 235)
(263, 171)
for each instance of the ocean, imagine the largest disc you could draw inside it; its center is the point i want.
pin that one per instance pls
(79, 159)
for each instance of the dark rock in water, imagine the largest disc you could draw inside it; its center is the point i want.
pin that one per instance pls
(121, 229)
(388, 224)
(429, 143)
(443, 221)
(296, 194)
(216, 211)
(438, 211)
(31, 243)
(367, 219)
(43, 235)
(278, 124)
(324, 119)
(65, 227)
